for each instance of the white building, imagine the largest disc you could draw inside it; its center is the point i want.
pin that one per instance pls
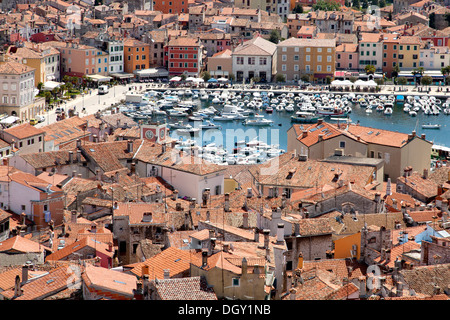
(434, 58)
(115, 49)
(371, 51)
(17, 90)
(254, 58)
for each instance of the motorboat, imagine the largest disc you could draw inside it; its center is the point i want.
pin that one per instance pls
(210, 125)
(258, 122)
(431, 126)
(388, 111)
(304, 117)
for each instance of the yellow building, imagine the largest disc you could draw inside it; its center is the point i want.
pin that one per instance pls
(315, 58)
(348, 247)
(409, 52)
(45, 61)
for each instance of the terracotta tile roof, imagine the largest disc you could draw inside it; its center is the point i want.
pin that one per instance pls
(314, 227)
(415, 181)
(396, 200)
(20, 244)
(192, 288)
(183, 42)
(80, 245)
(180, 239)
(317, 285)
(135, 212)
(351, 226)
(48, 159)
(309, 134)
(109, 281)
(256, 46)
(425, 215)
(371, 37)
(422, 279)
(13, 67)
(65, 130)
(24, 131)
(397, 251)
(440, 175)
(173, 259)
(298, 42)
(55, 281)
(343, 292)
(310, 173)
(378, 136)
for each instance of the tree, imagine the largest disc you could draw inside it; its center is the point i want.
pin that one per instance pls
(445, 70)
(356, 4)
(382, 3)
(432, 20)
(40, 85)
(274, 36)
(370, 69)
(426, 80)
(326, 5)
(206, 75)
(353, 79)
(298, 9)
(402, 81)
(280, 78)
(379, 81)
(328, 80)
(305, 78)
(418, 71)
(395, 71)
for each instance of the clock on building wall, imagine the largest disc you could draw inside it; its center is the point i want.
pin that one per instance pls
(162, 133)
(149, 134)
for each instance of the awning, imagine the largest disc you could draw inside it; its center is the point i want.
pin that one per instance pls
(122, 75)
(99, 78)
(9, 120)
(50, 85)
(153, 72)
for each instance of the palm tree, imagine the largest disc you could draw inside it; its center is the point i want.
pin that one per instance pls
(445, 71)
(419, 71)
(370, 69)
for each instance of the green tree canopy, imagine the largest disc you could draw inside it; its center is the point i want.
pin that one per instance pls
(280, 78)
(402, 81)
(426, 80)
(275, 36)
(298, 9)
(370, 69)
(326, 5)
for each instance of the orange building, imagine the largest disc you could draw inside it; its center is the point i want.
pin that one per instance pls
(136, 55)
(348, 247)
(390, 53)
(171, 6)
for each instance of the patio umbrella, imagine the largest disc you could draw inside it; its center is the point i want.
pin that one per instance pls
(199, 80)
(212, 80)
(222, 79)
(175, 79)
(189, 79)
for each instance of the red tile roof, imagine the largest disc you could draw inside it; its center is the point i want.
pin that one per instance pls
(192, 288)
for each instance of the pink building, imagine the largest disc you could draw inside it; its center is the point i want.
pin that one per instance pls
(347, 56)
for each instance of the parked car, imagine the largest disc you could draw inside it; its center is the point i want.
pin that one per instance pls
(40, 118)
(33, 121)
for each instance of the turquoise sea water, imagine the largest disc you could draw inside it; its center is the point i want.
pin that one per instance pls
(234, 131)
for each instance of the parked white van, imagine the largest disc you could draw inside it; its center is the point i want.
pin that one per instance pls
(103, 89)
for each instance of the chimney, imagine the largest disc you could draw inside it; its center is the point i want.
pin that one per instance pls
(79, 156)
(205, 197)
(73, 217)
(319, 121)
(304, 133)
(425, 173)
(320, 137)
(70, 156)
(226, 247)
(256, 235)
(204, 258)
(17, 289)
(166, 274)
(244, 266)
(175, 195)
(292, 293)
(129, 146)
(25, 273)
(74, 173)
(97, 174)
(110, 247)
(227, 202)
(249, 192)
(280, 233)
(178, 207)
(95, 138)
(163, 148)
(245, 220)
(423, 136)
(266, 233)
(138, 293)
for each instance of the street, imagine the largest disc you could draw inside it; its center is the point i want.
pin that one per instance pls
(90, 102)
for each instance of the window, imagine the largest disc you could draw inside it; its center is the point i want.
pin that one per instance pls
(328, 58)
(328, 68)
(308, 49)
(319, 68)
(307, 68)
(283, 57)
(240, 60)
(341, 144)
(319, 58)
(235, 282)
(308, 58)
(295, 67)
(283, 67)
(284, 49)
(251, 60)
(262, 61)
(319, 49)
